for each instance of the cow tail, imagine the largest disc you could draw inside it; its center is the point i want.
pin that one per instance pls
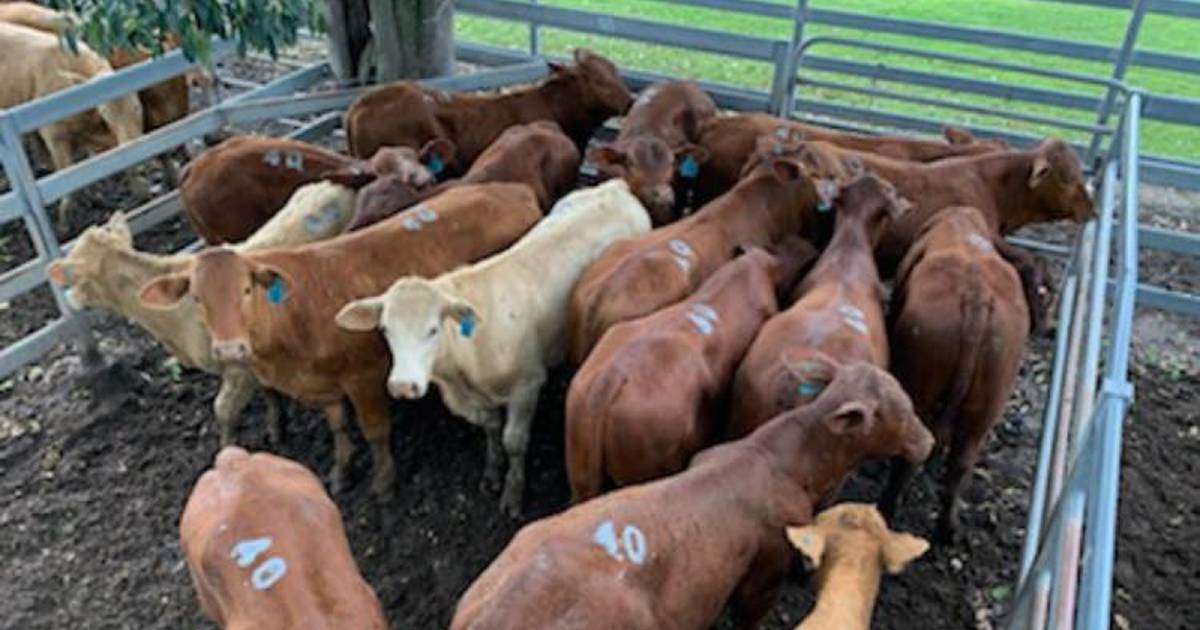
(976, 315)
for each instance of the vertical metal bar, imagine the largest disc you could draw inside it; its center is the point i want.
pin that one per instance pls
(1068, 571)
(792, 66)
(1040, 610)
(535, 35)
(37, 223)
(1085, 388)
(780, 81)
(1127, 242)
(1119, 68)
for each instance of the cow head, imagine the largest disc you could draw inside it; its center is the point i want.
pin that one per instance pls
(855, 534)
(414, 315)
(381, 199)
(601, 86)
(124, 117)
(651, 168)
(869, 409)
(85, 272)
(872, 200)
(1057, 184)
(226, 286)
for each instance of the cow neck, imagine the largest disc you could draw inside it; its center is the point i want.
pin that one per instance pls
(759, 206)
(848, 583)
(805, 460)
(1007, 177)
(562, 95)
(849, 258)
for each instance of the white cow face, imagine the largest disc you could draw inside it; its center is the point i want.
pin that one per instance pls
(413, 315)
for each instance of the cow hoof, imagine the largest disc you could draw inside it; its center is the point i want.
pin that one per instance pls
(510, 504)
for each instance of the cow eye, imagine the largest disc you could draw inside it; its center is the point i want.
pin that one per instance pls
(432, 331)
(246, 291)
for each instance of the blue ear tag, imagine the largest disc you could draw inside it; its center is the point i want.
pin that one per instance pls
(466, 325)
(435, 164)
(275, 291)
(824, 206)
(689, 167)
(809, 388)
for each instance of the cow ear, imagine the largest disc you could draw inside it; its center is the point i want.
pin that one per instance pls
(787, 170)
(353, 177)
(1041, 168)
(438, 153)
(810, 541)
(164, 291)
(59, 272)
(273, 280)
(899, 549)
(606, 156)
(851, 417)
(581, 55)
(555, 67)
(361, 315)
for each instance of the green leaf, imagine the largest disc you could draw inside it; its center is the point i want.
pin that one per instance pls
(1000, 592)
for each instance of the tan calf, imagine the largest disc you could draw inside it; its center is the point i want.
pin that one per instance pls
(488, 333)
(850, 546)
(266, 549)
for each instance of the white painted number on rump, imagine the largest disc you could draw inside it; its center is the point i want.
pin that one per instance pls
(246, 551)
(632, 540)
(268, 573)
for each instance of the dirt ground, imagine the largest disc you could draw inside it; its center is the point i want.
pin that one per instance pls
(94, 473)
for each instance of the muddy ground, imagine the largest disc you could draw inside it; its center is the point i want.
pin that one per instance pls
(94, 473)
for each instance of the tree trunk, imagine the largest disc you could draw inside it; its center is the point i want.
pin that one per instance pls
(349, 25)
(413, 38)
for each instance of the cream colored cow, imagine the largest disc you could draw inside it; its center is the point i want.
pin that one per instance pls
(33, 64)
(103, 270)
(487, 333)
(850, 545)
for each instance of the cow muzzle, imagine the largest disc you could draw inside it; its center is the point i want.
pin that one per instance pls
(405, 390)
(231, 351)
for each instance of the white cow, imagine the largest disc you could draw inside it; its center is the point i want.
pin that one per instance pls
(103, 270)
(487, 333)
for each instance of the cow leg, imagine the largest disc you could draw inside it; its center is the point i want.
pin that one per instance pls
(959, 464)
(343, 448)
(371, 405)
(521, 408)
(275, 431)
(493, 426)
(759, 588)
(237, 387)
(902, 474)
(61, 155)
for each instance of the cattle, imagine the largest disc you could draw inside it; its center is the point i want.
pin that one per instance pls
(777, 198)
(579, 98)
(672, 553)
(730, 139)
(654, 150)
(960, 324)
(103, 270)
(274, 309)
(486, 334)
(36, 16)
(651, 393)
(34, 65)
(235, 187)
(537, 154)
(266, 549)
(850, 546)
(837, 312)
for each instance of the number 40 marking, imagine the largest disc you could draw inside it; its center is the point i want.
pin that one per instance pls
(632, 542)
(266, 574)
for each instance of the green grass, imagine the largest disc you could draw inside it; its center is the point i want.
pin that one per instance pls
(1031, 17)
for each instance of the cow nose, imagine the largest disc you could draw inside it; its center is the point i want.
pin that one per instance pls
(231, 351)
(404, 390)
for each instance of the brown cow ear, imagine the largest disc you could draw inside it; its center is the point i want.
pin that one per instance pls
(1041, 168)
(852, 416)
(787, 170)
(361, 315)
(164, 291)
(606, 156)
(59, 272)
(555, 67)
(353, 177)
(899, 549)
(437, 154)
(810, 541)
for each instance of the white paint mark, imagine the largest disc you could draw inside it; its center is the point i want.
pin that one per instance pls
(679, 247)
(980, 243)
(245, 551)
(412, 224)
(635, 544)
(851, 311)
(646, 95)
(705, 311)
(606, 537)
(632, 540)
(318, 223)
(703, 325)
(856, 324)
(684, 263)
(426, 214)
(268, 573)
(272, 157)
(295, 161)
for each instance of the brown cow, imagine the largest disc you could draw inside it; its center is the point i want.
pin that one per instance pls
(266, 549)
(837, 314)
(275, 308)
(671, 553)
(649, 396)
(538, 154)
(579, 98)
(657, 134)
(778, 197)
(960, 327)
(235, 187)
(730, 139)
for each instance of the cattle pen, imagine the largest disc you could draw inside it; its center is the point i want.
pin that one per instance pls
(1066, 568)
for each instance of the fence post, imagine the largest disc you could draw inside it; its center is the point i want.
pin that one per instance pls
(37, 223)
(782, 82)
(535, 35)
(1118, 73)
(799, 18)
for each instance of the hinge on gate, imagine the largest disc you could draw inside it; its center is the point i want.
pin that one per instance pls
(1121, 389)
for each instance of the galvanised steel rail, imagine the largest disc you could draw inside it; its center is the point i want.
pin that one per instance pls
(29, 196)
